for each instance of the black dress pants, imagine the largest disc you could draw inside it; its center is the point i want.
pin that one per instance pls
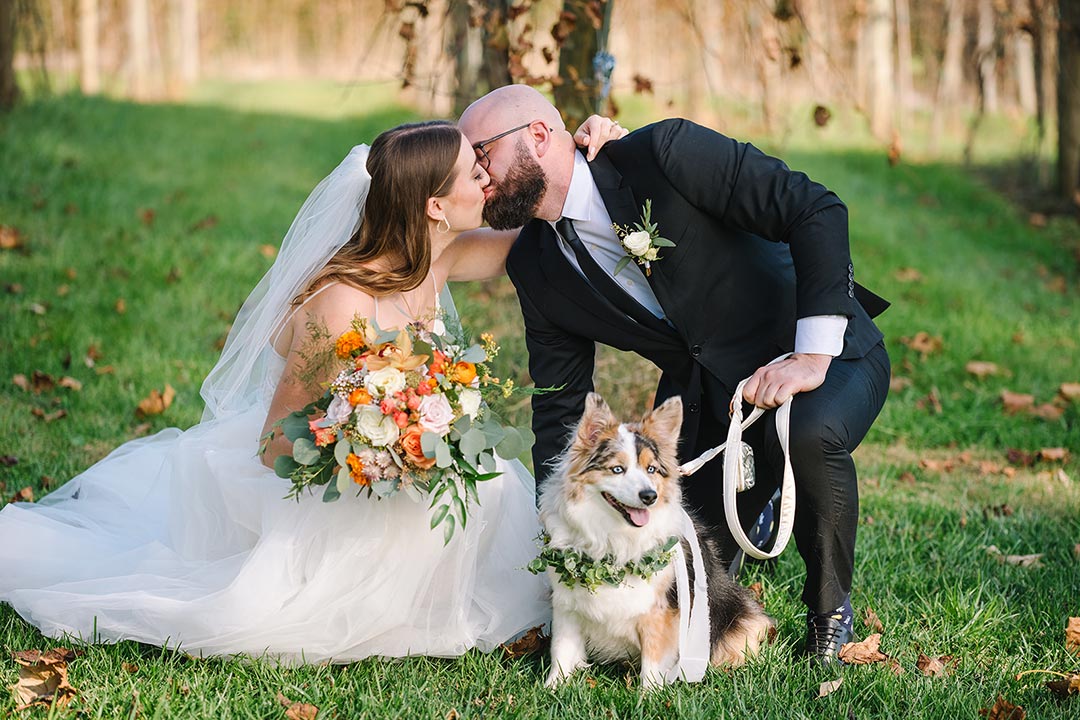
(827, 424)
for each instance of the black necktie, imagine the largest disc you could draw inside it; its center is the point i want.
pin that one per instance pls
(604, 284)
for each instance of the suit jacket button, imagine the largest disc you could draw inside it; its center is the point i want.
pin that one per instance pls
(695, 351)
(692, 407)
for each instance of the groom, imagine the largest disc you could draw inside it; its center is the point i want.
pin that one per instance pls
(761, 266)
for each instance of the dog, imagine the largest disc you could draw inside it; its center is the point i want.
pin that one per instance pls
(615, 494)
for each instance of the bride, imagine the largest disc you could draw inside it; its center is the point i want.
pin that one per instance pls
(185, 540)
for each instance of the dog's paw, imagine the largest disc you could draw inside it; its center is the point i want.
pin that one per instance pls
(555, 679)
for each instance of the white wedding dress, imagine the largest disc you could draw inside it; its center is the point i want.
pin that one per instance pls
(186, 540)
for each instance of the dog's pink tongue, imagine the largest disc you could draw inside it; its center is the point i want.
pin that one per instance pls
(638, 516)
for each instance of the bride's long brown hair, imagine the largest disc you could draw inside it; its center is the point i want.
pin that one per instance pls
(408, 164)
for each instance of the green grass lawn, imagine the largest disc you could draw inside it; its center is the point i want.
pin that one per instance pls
(169, 209)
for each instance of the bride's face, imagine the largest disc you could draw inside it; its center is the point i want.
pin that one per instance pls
(464, 205)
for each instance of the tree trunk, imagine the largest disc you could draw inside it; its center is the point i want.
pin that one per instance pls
(1024, 53)
(9, 90)
(986, 57)
(89, 62)
(463, 45)
(904, 83)
(138, 50)
(880, 35)
(578, 95)
(1045, 52)
(1069, 99)
(948, 90)
(189, 42)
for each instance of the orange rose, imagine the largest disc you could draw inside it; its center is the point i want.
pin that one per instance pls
(359, 396)
(324, 436)
(462, 372)
(414, 450)
(347, 343)
(356, 470)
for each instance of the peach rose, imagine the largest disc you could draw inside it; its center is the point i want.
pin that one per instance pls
(414, 450)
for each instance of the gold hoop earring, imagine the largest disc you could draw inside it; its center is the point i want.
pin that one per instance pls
(440, 228)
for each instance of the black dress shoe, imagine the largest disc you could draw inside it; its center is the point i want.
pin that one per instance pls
(825, 635)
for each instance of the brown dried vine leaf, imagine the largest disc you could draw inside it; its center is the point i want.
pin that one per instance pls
(924, 343)
(1072, 635)
(934, 667)
(534, 640)
(1068, 685)
(1032, 561)
(872, 621)
(829, 686)
(43, 678)
(864, 652)
(1017, 402)
(156, 402)
(1003, 710)
(297, 710)
(981, 368)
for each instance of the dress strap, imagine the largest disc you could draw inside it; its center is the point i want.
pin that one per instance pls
(289, 316)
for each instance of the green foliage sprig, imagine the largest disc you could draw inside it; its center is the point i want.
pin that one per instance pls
(576, 568)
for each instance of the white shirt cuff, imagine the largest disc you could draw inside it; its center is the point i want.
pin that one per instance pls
(821, 334)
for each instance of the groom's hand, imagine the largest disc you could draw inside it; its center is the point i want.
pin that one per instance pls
(772, 385)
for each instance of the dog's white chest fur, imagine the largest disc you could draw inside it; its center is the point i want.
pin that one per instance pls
(609, 616)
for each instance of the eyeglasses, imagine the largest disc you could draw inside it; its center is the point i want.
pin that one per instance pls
(481, 154)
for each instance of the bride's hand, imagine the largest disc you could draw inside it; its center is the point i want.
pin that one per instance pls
(596, 131)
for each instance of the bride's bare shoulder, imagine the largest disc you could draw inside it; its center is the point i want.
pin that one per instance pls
(331, 308)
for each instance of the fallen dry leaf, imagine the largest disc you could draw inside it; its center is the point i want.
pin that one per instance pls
(48, 417)
(591, 682)
(1032, 561)
(268, 251)
(1002, 510)
(1019, 457)
(43, 678)
(934, 667)
(156, 402)
(38, 308)
(534, 640)
(13, 288)
(92, 356)
(981, 368)
(1072, 635)
(872, 621)
(1003, 710)
(130, 668)
(1037, 219)
(758, 591)
(908, 275)
(1053, 454)
(24, 495)
(146, 216)
(1076, 551)
(141, 429)
(1070, 391)
(829, 686)
(207, 222)
(20, 381)
(924, 343)
(71, 273)
(47, 482)
(898, 383)
(907, 477)
(1069, 685)
(864, 652)
(297, 710)
(9, 238)
(1048, 411)
(120, 306)
(63, 290)
(931, 402)
(1016, 402)
(70, 383)
(9, 461)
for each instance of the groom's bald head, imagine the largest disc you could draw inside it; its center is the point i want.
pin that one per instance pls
(507, 107)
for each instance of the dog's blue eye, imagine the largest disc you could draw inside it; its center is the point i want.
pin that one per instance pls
(651, 469)
(617, 469)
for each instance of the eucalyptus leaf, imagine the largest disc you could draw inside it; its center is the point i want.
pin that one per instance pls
(295, 426)
(285, 466)
(341, 452)
(330, 494)
(623, 262)
(463, 424)
(487, 461)
(494, 434)
(528, 437)
(442, 455)
(305, 452)
(510, 446)
(344, 479)
(412, 491)
(662, 242)
(428, 442)
(472, 443)
(474, 354)
(384, 488)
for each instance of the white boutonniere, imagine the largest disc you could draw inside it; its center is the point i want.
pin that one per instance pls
(642, 243)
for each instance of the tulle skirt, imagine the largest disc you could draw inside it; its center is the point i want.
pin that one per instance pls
(185, 540)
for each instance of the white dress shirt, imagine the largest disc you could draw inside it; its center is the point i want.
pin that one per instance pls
(822, 334)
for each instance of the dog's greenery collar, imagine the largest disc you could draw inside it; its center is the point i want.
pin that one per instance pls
(577, 568)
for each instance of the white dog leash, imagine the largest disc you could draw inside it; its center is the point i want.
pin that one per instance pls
(735, 480)
(694, 647)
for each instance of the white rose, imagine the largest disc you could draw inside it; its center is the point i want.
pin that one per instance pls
(338, 410)
(436, 414)
(470, 402)
(652, 254)
(378, 428)
(385, 382)
(637, 242)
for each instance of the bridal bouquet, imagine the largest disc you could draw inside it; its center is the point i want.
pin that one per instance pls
(404, 414)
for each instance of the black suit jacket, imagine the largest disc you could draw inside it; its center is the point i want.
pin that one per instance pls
(745, 227)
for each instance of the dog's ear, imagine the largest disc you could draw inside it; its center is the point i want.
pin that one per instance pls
(596, 418)
(663, 423)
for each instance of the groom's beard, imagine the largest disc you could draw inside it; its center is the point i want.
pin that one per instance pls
(517, 196)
